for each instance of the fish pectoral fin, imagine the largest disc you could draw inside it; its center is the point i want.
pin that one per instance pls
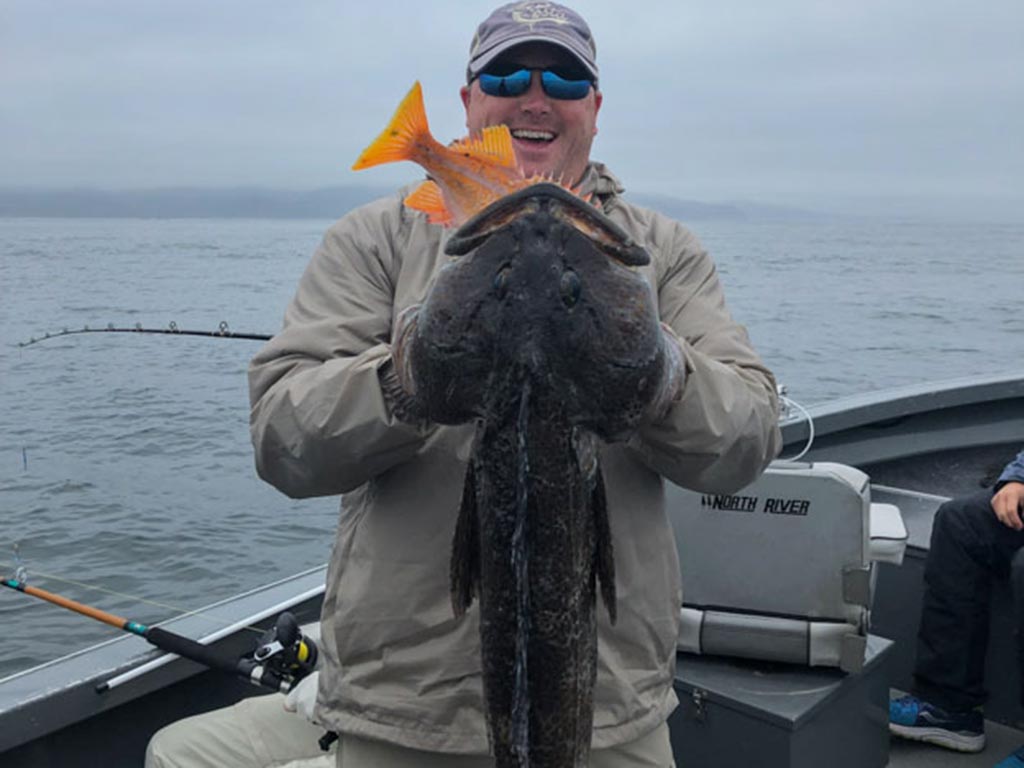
(464, 571)
(427, 197)
(493, 144)
(604, 556)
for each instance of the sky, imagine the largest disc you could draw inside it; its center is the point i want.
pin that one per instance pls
(868, 106)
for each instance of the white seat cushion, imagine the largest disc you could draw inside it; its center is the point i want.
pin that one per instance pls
(888, 534)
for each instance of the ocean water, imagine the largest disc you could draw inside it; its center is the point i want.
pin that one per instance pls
(126, 473)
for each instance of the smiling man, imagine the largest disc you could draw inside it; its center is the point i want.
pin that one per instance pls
(401, 680)
(552, 134)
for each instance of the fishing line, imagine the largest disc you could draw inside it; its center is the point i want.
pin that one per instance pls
(21, 575)
(222, 332)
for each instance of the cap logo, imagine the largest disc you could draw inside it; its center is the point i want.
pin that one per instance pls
(535, 13)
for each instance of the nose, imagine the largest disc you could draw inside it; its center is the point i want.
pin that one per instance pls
(535, 101)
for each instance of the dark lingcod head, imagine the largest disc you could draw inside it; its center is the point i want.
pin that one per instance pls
(544, 286)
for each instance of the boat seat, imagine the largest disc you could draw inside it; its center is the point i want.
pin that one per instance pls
(783, 570)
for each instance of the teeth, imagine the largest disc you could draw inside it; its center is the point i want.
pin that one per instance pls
(534, 135)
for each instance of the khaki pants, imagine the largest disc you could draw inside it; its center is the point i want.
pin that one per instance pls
(254, 733)
(650, 751)
(258, 733)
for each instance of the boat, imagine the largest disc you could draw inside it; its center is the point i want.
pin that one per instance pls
(919, 445)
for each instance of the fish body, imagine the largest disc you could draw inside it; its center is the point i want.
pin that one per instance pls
(545, 335)
(465, 176)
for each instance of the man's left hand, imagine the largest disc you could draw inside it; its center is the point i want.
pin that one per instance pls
(673, 378)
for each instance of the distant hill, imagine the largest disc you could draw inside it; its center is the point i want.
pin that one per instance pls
(685, 210)
(688, 210)
(186, 202)
(266, 203)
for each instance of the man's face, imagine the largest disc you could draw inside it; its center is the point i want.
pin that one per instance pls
(563, 130)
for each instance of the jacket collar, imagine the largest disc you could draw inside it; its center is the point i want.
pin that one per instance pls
(599, 181)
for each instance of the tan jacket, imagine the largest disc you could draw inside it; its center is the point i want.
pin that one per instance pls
(398, 665)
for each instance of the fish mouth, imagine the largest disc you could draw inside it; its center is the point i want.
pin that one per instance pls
(637, 364)
(533, 135)
(564, 206)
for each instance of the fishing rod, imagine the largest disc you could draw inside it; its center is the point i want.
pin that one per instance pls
(282, 657)
(222, 332)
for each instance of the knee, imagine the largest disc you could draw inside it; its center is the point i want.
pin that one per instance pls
(957, 517)
(949, 521)
(160, 751)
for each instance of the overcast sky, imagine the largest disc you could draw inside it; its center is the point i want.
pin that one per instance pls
(864, 104)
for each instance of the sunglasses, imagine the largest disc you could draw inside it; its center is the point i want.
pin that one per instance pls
(517, 83)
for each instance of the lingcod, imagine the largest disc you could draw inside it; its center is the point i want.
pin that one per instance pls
(543, 332)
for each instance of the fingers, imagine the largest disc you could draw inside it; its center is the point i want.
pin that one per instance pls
(404, 330)
(1007, 504)
(672, 380)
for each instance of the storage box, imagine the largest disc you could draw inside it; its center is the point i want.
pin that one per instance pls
(737, 713)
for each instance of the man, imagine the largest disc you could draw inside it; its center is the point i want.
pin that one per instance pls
(401, 676)
(973, 539)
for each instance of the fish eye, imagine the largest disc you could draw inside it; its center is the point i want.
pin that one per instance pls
(501, 282)
(570, 286)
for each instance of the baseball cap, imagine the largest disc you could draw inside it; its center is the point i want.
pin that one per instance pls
(531, 21)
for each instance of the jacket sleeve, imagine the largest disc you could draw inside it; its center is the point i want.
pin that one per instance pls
(722, 430)
(1013, 473)
(319, 422)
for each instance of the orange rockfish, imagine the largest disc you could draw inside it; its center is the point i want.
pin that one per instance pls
(465, 177)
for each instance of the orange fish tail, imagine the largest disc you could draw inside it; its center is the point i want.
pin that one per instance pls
(398, 140)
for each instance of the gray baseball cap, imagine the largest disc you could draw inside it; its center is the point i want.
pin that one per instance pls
(531, 21)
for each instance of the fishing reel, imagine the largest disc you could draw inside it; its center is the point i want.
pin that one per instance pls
(283, 656)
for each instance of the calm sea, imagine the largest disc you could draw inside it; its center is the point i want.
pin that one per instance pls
(125, 463)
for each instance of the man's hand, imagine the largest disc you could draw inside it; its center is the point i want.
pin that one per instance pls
(405, 328)
(1008, 504)
(302, 698)
(398, 384)
(673, 378)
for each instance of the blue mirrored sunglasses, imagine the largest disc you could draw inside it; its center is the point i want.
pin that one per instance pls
(517, 83)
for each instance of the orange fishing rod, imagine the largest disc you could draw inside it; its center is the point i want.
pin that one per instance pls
(282, 657)
(82, 608)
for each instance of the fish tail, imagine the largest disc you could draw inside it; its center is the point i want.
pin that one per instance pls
(398, 141)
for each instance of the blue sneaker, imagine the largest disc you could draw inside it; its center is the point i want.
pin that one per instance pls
(1016, 760)
(912, 718)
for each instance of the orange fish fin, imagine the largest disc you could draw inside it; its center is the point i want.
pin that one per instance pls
(494, 144)
(396, 142)
(427, 198)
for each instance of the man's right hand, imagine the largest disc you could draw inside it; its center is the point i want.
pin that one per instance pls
(405, 328)
(1008, 504)
(302, 698)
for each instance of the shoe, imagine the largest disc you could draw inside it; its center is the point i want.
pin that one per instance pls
(1016, 760)
(912, 718)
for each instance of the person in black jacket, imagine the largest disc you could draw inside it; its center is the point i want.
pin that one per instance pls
(973, 539)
